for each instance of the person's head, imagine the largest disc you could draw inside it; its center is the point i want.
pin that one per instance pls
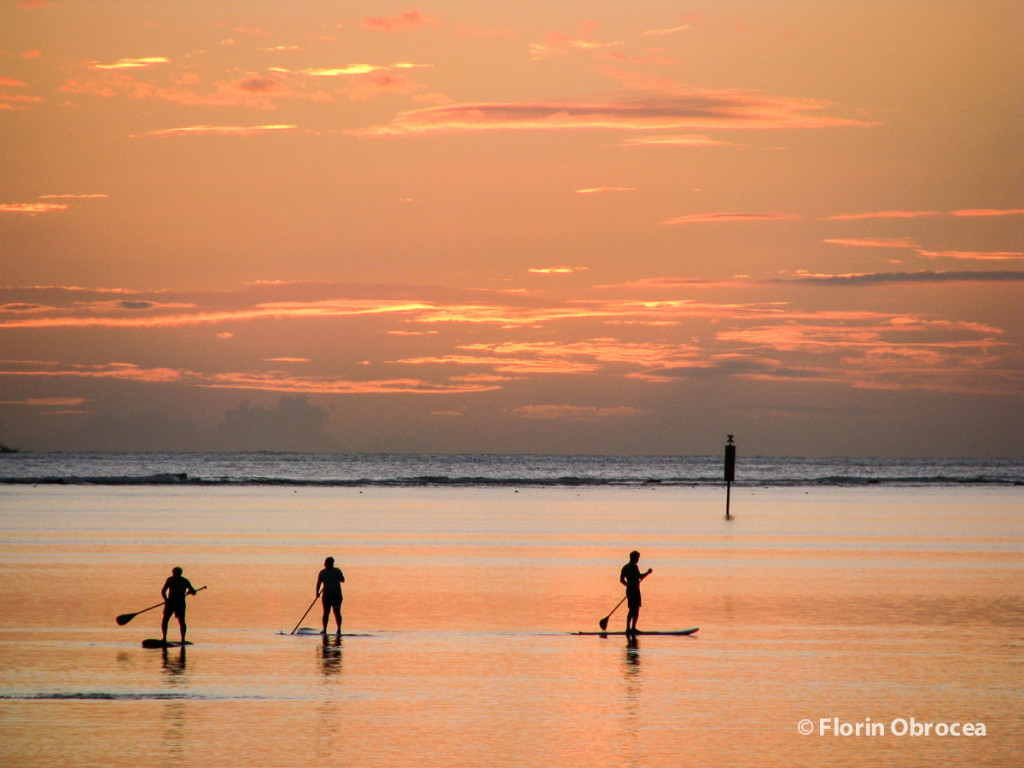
(176, 571)
(634, 556)
(329, 562)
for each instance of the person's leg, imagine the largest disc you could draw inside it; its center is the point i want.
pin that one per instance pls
(327, 612)
(164, 623)
(337, 615)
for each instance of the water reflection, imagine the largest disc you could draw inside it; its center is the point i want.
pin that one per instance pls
(632, 659)
(173, 665)
(330, 655)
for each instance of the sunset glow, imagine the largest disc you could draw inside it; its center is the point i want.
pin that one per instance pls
(515, 227)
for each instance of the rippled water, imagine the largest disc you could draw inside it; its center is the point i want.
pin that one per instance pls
(871, 604)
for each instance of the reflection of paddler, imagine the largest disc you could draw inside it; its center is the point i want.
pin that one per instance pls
(330, 580)
(631, 577)
(174, 591)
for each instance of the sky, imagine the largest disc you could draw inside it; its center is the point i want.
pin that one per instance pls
(513, 226)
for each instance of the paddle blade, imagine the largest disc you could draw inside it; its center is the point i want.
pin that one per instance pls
(124, 618)
(603, 622)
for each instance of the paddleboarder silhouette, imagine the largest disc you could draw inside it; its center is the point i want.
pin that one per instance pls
(331, 579)
(174, 591)
(631, 577)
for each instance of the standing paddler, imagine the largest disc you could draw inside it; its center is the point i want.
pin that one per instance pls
(631, 577)
(174, 591)
(330, 579)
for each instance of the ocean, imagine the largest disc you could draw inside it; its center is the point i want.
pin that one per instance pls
(494, 470)
(859, 612)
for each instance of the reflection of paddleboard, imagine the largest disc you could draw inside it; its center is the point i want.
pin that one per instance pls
(642, 632)
(155, 642)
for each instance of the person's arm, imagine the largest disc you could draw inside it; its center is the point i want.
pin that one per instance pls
(163, 592)
(319, 581)
(645, 575)
(341, 575)
(189, 588)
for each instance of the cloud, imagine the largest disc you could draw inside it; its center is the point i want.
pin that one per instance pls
(588, 413)
(682, 140)
(561, 358)
(973, 255)
(706, 218)
(349, 70)
(32, 208)
(142, 63)
(972, 212)
(884, 278)
(217, 130)
(603, 190)
(122, 371)
(990, 212)
(882, 215)
(48, 402)
(292, 425)
(411, 19)
(665, 32)
(558, 44)
(670, 109)
(255, 91)
(555, 270)
(873, 242)
(96, 196)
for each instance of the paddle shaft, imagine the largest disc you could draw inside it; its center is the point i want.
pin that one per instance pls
(305, 614)
(124, 618)
(603, 623)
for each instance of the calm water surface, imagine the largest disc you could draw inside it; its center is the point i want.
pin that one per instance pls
(871, 606)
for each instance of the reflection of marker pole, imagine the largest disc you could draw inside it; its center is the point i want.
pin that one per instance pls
(730, 473)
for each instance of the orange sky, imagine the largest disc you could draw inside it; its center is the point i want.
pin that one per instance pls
(513, 226)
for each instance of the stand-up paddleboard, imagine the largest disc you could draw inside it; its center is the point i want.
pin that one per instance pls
(607, 633)
(156, 642)
(310, 632)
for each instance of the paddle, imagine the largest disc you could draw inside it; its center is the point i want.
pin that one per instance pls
(305, 614)
(124, 618)
(603, 623)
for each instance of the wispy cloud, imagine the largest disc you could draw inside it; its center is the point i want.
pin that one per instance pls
(411, 19)
(683, 140)
(92, 196)
(32, 208)
(589, 413)
(140, 63)
(349, 70)
(603, 190)
(990, 212)
(555, 270)
(724, 217)
(255, 91)
(217, 130)
(884, 278)
(48, 402)
(558, 44)
(665, 32)
(974, 255)
(900, 214)
(882, 215)
(873, 242)
(668, 110)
